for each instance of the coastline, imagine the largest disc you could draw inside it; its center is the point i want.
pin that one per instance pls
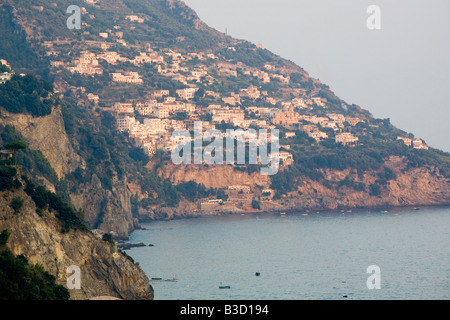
(289, 211)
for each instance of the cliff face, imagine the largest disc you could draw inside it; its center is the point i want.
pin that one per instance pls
(216, 176)
(107, 210)
(415, 187)
(48, 135)
(104, 270)
(423, 186)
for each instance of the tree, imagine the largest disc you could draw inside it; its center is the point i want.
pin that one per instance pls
(108, 238)
(16, 204)
(15, 146)
(4, 236)
(256, 204)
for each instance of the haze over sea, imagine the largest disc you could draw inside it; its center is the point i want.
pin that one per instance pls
(299, 257)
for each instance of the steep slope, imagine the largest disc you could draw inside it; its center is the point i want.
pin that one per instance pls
(37, 236)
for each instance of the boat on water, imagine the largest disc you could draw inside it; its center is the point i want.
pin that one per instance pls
(283, 213)
(224, 287)
(156, 278)
(171, 280)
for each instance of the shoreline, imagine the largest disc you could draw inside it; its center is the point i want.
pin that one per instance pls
(290, 211)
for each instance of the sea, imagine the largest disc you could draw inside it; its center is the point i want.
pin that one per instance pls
(401, 254)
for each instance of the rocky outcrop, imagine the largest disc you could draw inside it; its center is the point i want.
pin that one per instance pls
(105, 271)
(48, 135)
(107, 210)
(214, 176)
(423, 186)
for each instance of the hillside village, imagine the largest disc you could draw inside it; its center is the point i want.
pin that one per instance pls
(150, 123)
(202, 93)
(153, 89)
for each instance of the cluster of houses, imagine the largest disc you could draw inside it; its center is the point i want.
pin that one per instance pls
(414, 143)
(150, 124)
(5, 76)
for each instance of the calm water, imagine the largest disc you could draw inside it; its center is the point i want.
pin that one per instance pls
(318, 256)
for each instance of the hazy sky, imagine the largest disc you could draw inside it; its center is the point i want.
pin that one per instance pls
(401, 72)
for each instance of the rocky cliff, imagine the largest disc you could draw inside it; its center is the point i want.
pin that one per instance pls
(422, 186)
(105, 271)
(107, 210)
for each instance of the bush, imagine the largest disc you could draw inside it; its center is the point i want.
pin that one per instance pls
(4, 236)
(256, 204)
(16, 204)
(20, 281)
(375, 190)
(27, 94)
(7, 178)
(108, 238)
(46, 199)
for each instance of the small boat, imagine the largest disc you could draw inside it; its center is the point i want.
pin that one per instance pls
(156, 282)
(171, 280)
(283, 213)
(156, 278)
(257, 274)
(305, 214)
(224, 287)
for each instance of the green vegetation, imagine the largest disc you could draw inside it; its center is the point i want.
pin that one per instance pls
(22, 281)
(14, 46)
(108, 238)
(256, 204)
(8, 179)
(45, 199)
(4, 236)
(27, 94)
(33, 161)
(247, 53)
(4, 68)
(16, 204)
(16, 145)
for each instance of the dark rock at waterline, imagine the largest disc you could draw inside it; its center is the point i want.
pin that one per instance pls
(127, 246)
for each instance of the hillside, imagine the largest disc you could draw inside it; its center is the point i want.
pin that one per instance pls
(45, 234)
(137, 70)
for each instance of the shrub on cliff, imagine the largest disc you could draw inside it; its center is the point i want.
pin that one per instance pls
(16, 204)
(7, 178)
(21, 281)
(43, 198)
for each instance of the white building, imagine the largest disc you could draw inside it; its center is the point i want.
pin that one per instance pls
(187, 94)
(346, 138)
(125, 123)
